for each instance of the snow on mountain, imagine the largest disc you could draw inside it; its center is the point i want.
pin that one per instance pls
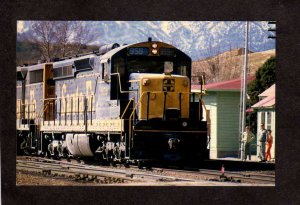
(199, 39)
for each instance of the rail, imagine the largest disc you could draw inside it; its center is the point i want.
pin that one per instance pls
(132, 172)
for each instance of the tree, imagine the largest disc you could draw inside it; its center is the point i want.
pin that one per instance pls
(44, 35)
(264, 78)
(82, 35)
(57, 39)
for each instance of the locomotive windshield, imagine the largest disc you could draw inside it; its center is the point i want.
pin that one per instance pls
(156, 65)
(146, 66)
(151, 65)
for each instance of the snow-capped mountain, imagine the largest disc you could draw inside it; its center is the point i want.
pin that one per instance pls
(199, 39)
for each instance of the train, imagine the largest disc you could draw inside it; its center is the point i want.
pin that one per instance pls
(128, 103)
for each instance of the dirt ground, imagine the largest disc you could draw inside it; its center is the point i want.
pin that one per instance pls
(39, 180)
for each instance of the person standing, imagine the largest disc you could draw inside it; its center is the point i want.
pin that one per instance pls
(247, 138)
(269, 145)
(262, 141)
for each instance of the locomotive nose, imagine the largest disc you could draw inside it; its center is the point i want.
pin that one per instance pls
(163, 96)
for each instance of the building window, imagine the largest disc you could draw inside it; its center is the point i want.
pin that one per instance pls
(263, 114)
(269, 120)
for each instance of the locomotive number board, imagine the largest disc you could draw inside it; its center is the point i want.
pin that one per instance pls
(141, 51)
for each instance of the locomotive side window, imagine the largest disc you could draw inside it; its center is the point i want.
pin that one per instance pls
(36, 76)
(64, 71)
(67, 70)
(83, 64)
(119, 66)
(103, 70)
(182, 70)
(57, 72)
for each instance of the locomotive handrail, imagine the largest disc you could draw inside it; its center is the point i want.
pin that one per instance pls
(120, 86)
(69, 110)
(29, 112)
(126, 108)
(64, 97)
(145, 92)
(130, 118)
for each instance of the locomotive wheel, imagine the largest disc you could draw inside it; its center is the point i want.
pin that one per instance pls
(47, 154)
(117, 153)
(56, 154)
(140, 164)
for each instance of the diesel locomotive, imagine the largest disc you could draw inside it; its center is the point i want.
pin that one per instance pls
(121, 103)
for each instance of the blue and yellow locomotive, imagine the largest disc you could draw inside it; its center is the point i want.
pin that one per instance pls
(130, 102)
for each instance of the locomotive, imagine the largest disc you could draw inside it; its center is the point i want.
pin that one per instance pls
(121, 103)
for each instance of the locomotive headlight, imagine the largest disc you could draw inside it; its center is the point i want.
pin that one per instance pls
(185, 83)
(154, 45)
(154, 51)
(146, 82)
(184, 124)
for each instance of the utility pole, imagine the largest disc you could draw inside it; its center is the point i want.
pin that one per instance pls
(244, 89)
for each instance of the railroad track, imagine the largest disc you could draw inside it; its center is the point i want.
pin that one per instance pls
(136, 174)
(93, 173)
(231, 176)
(215, 175)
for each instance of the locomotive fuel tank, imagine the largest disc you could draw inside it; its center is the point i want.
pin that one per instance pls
(79, 145)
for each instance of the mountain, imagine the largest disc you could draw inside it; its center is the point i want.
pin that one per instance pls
(199, 39)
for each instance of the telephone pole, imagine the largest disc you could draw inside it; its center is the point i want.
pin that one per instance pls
(243, 99)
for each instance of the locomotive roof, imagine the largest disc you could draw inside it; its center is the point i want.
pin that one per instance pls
(36, 67)
(112, 52)
(71, 60)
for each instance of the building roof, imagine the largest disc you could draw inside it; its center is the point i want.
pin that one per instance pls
(269, 92)
(268, 101)
(229, 85)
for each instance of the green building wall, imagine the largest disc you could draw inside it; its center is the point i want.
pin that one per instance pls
(228, 124)
(224, 114)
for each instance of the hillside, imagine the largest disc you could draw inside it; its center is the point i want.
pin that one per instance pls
(228, 65)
